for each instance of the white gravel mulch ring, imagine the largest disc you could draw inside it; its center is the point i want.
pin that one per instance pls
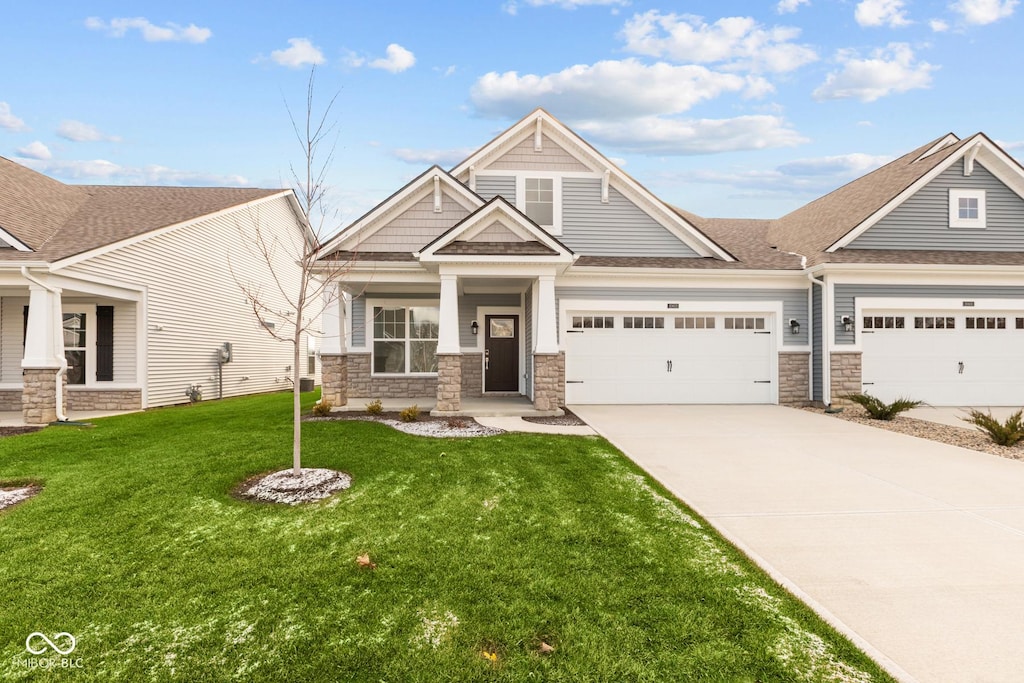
(438, 427)
(12, 495)
(312, 484)
(965, 437)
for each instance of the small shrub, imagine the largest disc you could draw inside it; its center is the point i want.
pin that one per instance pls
(375, 407)
(410, 414)
(880, 410)
(323, 408)
(1003, 433)
(455, 423)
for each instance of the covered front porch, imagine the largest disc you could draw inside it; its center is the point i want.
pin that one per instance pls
(69, 348)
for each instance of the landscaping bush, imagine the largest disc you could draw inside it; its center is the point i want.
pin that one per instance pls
(1003, 433)
(323, 408)
(375, 407)
(880, 410)
(455, 423)
(410, 414)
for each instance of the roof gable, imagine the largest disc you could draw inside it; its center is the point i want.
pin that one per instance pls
(423, 209)
(522, 148)
(496, 229)
(977, 147)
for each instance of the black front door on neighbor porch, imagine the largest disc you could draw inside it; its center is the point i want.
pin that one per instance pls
(501, 353)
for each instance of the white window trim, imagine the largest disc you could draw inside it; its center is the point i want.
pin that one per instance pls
(955, 221)
(90, 344)
(395, 303)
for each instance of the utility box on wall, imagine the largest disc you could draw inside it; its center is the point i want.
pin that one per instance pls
(307, 384)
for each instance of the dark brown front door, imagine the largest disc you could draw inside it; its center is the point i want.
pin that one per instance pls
(501, 353)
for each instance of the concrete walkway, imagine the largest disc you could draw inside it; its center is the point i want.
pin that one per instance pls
(913, 548)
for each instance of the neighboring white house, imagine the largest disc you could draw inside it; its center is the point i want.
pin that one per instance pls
(122, 298)
(537, 267)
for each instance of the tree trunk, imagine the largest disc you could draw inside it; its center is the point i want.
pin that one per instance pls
(296, 409)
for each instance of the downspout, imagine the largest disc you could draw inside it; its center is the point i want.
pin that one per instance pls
(826, 368)
(57, 330)
(826, 356)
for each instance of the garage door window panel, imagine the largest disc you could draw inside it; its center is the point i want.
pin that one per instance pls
(593, 322)
(631, 322)
(744, 323)
(986, 323)
(929, 322)
(887, 322)
(695, 323)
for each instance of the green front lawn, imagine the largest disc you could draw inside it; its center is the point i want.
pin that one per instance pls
(482, 545)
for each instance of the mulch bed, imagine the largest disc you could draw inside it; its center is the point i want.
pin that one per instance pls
(282, 486)
(570, 419)
(424, 425)
(965, 437)
(12, 494)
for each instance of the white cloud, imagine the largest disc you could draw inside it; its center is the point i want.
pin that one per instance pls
(983, 12)
(35, 150)
(735, 42)
(300, 53)
(152, 33)
(865, 124)
(109, 172)
(429, 157)
(76, 131)
(797, 178)
(790, 6)
(1010, 145)
(512, 6)
(9, 120)
(398, 59)
(668, 136)
(888, 70)
(881, 13)
(938, 25)
(607, 89)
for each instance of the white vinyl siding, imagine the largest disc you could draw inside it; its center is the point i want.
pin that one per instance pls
(195, 302)
(12, 330)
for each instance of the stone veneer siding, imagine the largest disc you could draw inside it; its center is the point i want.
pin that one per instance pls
(472, 375)
(104, 399)
(794, 378)
(334, 379)
(10, 400)
(846, 376)
(361, 384)
(548, 381)
(39, 395)
(449, 382)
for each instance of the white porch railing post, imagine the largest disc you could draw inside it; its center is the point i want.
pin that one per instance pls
(448, 316)
(547, 337)
(44, 345)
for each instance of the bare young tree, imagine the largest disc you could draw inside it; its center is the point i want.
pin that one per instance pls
(307, 297)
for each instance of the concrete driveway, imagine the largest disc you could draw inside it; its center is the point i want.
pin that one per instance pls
(913, 548)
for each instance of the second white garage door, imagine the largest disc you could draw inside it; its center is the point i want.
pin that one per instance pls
(946, 358)
(658, 358)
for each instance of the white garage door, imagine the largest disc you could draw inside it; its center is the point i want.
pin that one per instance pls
(685, 358)
(946, 358)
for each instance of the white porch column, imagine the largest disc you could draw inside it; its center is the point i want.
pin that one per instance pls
(448, 316)
(44, 338)
(334, 314)
(547, 337)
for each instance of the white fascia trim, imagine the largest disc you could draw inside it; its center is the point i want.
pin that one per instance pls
(89, 284)
(414, 192)
(881, 213)
(964, 276)
(16, 266)
(107, 248)
(13, 241)
(685, 280)
(941, 144)
(474, 224)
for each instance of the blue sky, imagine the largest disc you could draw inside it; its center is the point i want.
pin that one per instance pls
(717, 108)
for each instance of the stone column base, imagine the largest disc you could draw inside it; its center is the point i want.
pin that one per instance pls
(794, 378)
(548, 381)
(334, 379)
(39, 396)
(449, 383)
(846, 376)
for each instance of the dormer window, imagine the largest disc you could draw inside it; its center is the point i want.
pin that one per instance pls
(967, 208)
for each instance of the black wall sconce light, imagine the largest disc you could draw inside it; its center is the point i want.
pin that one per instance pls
(475, 328)
(794, 326)
(847, 323)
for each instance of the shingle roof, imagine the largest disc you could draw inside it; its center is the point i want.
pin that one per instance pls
(58, 220)
(814, 227)
(530, 248)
